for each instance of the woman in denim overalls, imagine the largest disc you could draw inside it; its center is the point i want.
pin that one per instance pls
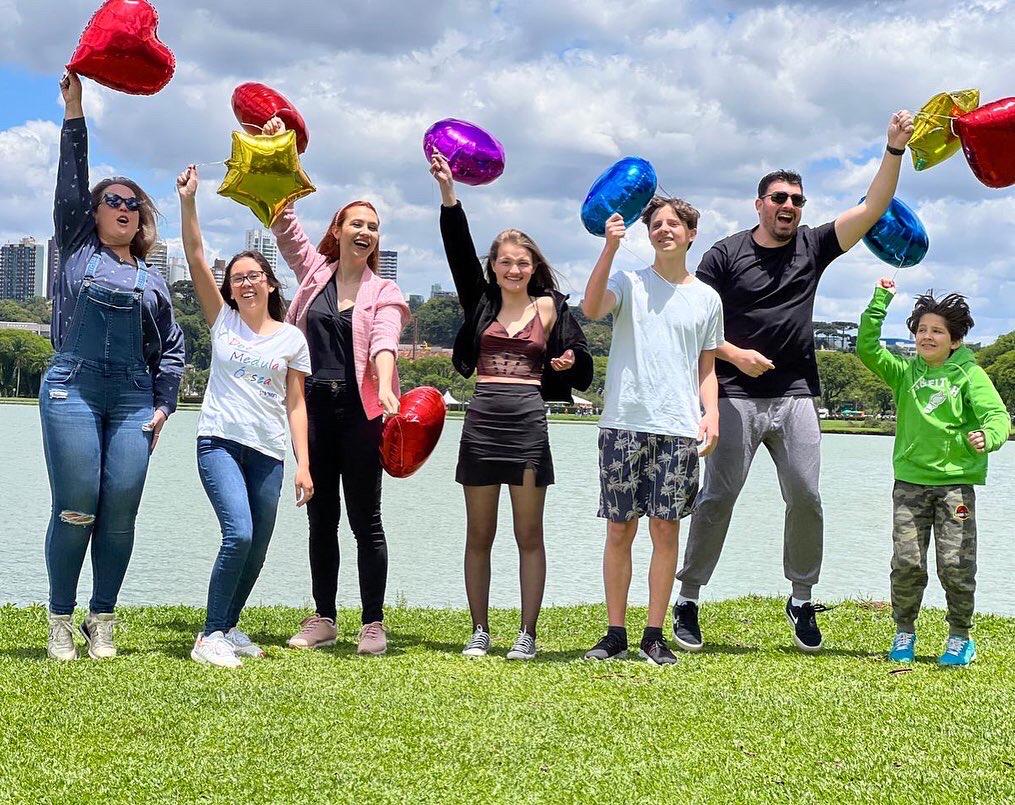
(110, 387)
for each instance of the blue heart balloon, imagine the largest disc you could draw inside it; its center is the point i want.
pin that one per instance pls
(626, 187)
(899, 237)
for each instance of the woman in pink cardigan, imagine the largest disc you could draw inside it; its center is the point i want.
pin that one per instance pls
(352, 319)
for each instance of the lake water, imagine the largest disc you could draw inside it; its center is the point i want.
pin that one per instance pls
(424, 517)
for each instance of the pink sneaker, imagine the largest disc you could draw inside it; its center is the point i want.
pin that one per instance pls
(372, 639)
(315, 632)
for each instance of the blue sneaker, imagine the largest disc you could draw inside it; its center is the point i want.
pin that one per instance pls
(959, 652)
(903, 647)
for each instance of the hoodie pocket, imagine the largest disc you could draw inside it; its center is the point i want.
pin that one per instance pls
(947, 454)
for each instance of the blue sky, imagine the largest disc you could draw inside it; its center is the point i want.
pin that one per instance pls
(713, 94)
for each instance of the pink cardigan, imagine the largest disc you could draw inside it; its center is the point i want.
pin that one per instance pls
(377, 320)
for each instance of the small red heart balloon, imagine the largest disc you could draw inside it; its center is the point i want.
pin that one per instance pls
(121, 49)
(411, 435)
(988, 141)
(255, 104)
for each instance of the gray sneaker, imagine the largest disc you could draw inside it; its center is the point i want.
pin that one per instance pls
(60, 644)
(524, 647)
(98, 633)
(479, 643)
(242, 645)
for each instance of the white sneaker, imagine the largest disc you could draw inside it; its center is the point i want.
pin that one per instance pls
(478, 644)
(524, 647)
(97, 630)
(242, 645)
(60, 644)
(214, 649)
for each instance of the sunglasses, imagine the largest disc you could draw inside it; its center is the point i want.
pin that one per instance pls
(133, 203)
(780, 196)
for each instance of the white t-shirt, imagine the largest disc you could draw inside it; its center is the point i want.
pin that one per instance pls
(659, 332)
(245, 399)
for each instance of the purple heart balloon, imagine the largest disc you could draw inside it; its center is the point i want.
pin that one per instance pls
(475, 156)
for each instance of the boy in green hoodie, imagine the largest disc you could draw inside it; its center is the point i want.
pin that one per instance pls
(949, 416)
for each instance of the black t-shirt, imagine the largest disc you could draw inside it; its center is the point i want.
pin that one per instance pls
(768, 305)
(329, 337)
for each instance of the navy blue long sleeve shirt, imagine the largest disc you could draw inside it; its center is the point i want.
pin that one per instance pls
(78, 239)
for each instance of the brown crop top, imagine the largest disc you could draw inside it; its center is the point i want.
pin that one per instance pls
(519, 356)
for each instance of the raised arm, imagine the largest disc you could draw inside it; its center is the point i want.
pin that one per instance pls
(72, 205)
(875, 357)
(205, 288)
(598, 299)
(856, 222)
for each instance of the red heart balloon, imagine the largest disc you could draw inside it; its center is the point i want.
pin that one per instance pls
(120, 49)
(988, 141)
(255, 104)
(411, 435)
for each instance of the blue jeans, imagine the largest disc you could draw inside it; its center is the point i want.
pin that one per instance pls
(243, 486)
(97, 457)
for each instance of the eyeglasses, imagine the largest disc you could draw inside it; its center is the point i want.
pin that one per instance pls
(252, 277)
(133, 203)
(780, 196)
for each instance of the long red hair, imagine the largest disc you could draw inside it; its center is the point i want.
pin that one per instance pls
(329, 245)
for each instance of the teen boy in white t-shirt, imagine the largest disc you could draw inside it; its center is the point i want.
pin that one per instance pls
(661, 410)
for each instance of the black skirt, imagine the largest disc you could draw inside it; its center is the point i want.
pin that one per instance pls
(503, 436)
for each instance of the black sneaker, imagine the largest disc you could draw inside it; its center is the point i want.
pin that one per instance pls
(806, 633)
(686, 630)
(656, 652)
(610, 647)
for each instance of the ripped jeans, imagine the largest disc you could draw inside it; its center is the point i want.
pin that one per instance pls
(97, 456)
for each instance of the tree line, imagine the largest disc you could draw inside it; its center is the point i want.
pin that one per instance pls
(845, 381)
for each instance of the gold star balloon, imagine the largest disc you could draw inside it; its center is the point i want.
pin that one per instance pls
(264, 173)
(933, 140)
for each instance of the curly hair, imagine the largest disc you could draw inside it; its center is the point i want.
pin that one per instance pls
(953, 308)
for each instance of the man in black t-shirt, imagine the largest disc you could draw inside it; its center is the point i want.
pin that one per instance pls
(768, 379)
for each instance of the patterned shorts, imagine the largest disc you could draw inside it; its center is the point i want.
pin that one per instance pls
(646, 474)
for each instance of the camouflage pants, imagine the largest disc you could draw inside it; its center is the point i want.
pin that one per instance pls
(951, 512)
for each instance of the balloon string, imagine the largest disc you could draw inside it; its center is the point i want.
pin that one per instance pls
(206, 164)
(634, 254)
(918, 115)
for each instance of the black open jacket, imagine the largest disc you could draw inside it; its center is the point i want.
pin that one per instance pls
(481, 301)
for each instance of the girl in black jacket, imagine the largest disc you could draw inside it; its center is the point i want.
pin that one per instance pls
(525, 346)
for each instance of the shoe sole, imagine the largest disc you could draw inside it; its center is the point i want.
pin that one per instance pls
(693, 648)
(475, 654)
(799, 643)
(61, 659)
(650, 661)
(322, 644)
(201, 660)
(958, 664)
(516, 655)
(372, 653)
(619, 656)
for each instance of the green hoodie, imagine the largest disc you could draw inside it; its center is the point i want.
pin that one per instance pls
(937, 407)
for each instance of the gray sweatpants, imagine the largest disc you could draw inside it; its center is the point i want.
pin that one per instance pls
(788, 427)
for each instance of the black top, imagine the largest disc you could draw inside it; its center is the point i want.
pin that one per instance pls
(329, 337)
(768, 305)
(480, 301)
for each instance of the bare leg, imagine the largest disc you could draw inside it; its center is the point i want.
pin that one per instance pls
(617, 569)
(664, 535)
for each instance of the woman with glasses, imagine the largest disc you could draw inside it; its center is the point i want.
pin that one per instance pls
(525, 346)
(352, 319)
(108, 390)
(258, 367)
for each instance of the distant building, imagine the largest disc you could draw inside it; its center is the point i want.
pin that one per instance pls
(261, 240)
(436, 292)
(416, 301)
(22, 270)
(387, 265)
(177, 270)
(52, 265)
(28, 326)
(904, 346)
(218, 268)
(158, 259)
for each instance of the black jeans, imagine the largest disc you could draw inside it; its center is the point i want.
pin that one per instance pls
(345, 445)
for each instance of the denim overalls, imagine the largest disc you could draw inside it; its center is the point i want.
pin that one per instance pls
(95, 399)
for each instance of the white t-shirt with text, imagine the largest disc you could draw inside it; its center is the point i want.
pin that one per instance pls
(659, 332)
(245, 398)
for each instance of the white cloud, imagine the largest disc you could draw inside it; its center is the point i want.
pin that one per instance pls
(713, 97)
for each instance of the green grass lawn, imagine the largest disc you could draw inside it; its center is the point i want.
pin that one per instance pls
(748, 720)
